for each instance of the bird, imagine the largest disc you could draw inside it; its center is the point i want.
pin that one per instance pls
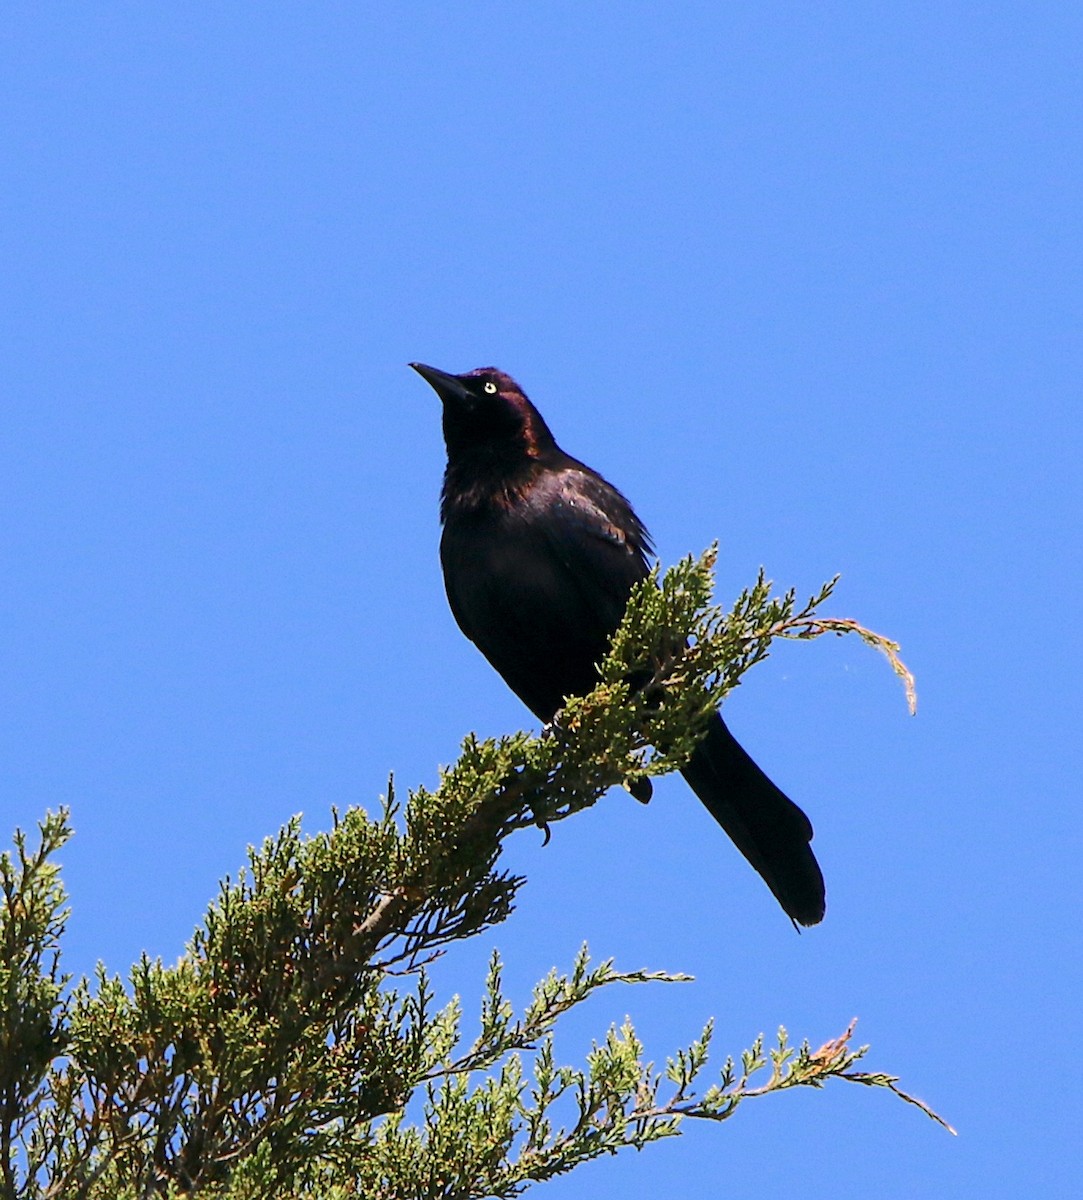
(539, 554)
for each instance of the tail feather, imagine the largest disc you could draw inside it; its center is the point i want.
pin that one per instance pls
(766, 826)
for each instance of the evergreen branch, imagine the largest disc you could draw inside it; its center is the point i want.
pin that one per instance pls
(275, 1058)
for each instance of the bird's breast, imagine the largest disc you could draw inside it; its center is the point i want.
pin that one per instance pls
(543, 625)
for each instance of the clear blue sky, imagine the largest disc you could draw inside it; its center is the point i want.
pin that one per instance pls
(802, 278)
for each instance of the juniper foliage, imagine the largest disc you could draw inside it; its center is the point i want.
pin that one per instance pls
(296, 1048)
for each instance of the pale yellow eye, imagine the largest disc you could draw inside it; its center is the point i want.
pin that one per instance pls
(490, 387)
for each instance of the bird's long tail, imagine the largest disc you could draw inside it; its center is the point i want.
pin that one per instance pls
(766, 826)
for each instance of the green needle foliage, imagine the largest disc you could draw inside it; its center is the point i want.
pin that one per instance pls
(297, 1049)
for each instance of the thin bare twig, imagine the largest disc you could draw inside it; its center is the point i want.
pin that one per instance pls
(804, 627)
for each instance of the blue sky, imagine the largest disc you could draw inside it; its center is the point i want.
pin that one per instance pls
(805, 279)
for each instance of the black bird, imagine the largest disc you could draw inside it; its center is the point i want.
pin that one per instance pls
(539, 554)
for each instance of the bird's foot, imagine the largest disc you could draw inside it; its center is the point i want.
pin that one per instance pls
(640, 788)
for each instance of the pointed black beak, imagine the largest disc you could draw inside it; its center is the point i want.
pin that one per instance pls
(450, 388)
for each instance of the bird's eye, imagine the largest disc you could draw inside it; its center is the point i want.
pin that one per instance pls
(490, 387)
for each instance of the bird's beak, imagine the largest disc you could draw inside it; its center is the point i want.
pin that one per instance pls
(450, 388)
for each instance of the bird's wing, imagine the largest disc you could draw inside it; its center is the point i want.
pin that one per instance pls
(594, 533)
(541, 587)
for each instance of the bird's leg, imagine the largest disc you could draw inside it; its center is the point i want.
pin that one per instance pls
(549, 728)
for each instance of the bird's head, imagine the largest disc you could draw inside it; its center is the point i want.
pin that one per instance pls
(486, 411)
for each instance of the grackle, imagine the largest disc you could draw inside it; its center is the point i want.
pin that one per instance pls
(539, 554)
